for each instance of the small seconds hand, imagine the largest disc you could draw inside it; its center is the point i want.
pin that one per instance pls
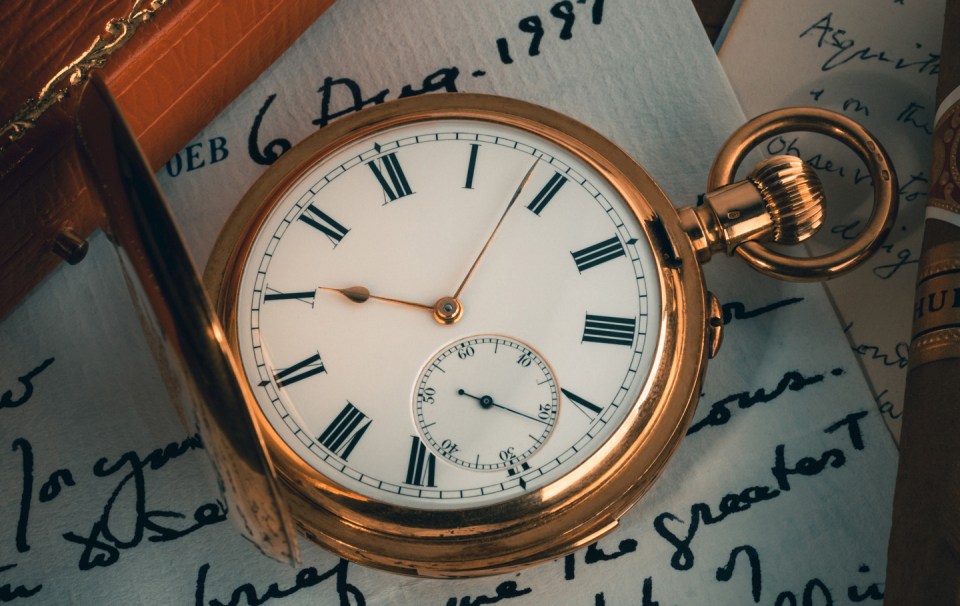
(487, 402)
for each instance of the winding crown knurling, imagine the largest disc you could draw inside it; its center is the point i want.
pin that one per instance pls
(793, 196)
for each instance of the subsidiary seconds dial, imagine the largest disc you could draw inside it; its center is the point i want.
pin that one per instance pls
(486, 403)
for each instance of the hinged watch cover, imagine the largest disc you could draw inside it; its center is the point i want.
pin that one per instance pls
(186, 337)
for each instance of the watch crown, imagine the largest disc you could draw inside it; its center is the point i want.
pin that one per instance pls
(781, 200)
(793, 197)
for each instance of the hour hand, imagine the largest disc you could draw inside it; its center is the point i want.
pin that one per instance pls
(446, 310)
(361, 294)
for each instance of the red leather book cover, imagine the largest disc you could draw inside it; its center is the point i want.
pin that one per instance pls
(172, 65)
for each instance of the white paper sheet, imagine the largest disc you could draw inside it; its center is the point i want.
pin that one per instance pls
(876, 62)
(781, 495)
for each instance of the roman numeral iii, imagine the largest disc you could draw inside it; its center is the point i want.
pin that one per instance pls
(394, 183)
(342, 435)
(601, 252)
(609, 329)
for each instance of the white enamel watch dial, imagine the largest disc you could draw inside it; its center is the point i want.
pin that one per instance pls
(404, 214)
(474, 329)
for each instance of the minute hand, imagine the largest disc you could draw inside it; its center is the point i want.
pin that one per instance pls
(483, 250)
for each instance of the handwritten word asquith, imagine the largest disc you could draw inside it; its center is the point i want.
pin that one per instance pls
(832, 36)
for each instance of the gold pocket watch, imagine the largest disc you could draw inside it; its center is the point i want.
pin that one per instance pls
(460, 334)
(475, 329)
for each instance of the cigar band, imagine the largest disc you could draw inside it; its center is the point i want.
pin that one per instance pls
(936, 308)
(943, 201)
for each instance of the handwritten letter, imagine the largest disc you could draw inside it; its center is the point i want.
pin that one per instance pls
(877, 63)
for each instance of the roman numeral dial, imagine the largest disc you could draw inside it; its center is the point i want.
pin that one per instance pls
(342, 294)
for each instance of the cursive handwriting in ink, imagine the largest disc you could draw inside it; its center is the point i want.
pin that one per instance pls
(814, 592)
(886, 271)
(788, 598)
(646, 595)
(899, 357)
(504, 591)
(909, 116)
(444, 79)
(9, 593)
(736, 310)
(731, 503)
(103, 544)
(593, 554)
(563, 12)
(7, 401)
(886, 406)
(913, 188)
(48, 491)
(832, 37)
(305, 578)
(340, 90)
(872, 592)
(736, 502)
(792, 380)
(725, 572)
(782, 145)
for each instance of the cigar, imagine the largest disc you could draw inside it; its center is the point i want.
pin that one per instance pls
(923, 559)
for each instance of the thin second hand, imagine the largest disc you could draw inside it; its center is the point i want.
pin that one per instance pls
(483, 250)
